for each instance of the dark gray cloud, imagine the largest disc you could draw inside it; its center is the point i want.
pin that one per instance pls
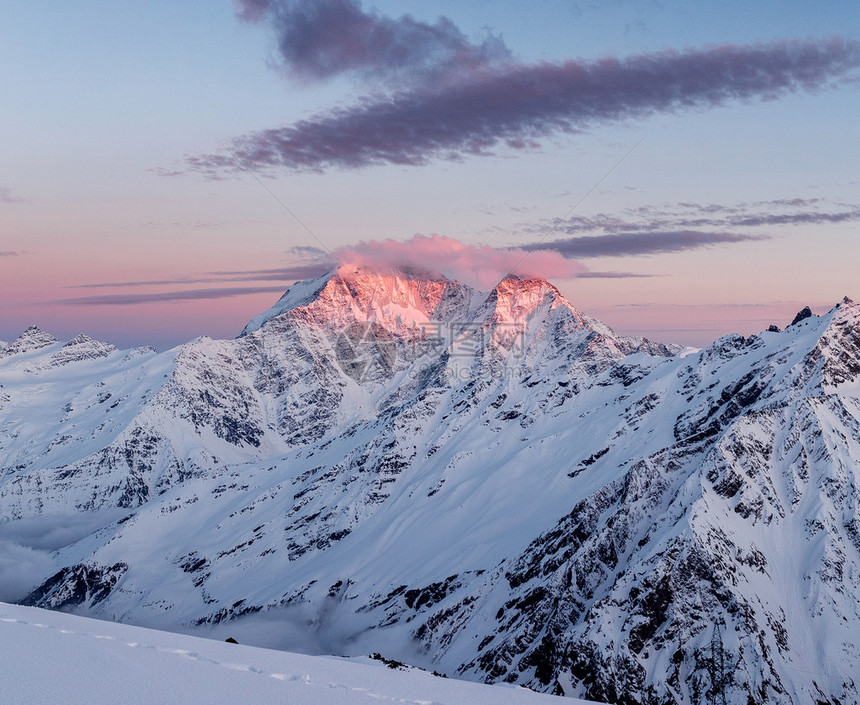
(766, 213)
(614, 275)
(289, 273)
(650, 230)
(721, 208)
(308, 252)
(684, 216)
(319, 39)
(634, 244)
(806, 218)
(187, 295)
(151, 282)
(518, 105)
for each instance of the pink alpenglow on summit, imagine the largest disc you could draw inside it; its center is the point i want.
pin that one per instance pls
(479, 265)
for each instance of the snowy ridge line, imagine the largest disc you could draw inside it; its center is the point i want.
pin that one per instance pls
(193, 656)
(330, 680)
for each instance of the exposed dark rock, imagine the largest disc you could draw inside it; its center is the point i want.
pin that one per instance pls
(75, 586)
(802, 315)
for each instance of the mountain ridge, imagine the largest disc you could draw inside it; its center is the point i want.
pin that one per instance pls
(532, 500)
(367, 293)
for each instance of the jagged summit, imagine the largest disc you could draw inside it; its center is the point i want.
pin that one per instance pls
(82, 347)
(802, 315)
(402, 296)
(515, 298)
(359, 293)
(393, 295)
(34, 351)
(31, 339)
(299, 294)
(524, 311)
(80, 339)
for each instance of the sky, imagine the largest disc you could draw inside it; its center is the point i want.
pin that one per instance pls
(679, 170)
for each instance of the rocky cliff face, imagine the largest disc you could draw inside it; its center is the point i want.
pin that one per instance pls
(490, 485)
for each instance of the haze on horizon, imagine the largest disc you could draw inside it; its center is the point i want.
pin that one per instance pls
(679, 171)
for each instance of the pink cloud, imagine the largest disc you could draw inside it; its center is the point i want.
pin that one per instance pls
(478, 265)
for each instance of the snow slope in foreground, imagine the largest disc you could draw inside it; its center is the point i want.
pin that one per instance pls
(50, 657)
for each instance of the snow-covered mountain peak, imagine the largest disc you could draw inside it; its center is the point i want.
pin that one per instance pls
(839, 344)
(522, 313)
(299, 294)
(31, 339)
(402, 298)
(802, 315)
(516, 299)
(392, 297)
(80, 348)
(848, 307)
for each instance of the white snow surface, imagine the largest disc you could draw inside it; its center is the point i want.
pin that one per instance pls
(298, 294)
(50, 658)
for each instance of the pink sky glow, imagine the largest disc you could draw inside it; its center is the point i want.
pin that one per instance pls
(679, 170)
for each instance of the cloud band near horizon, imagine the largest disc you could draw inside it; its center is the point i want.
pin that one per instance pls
(641, 231)
(519, 104)
(478, 264)
(166, 296)
(693, 216)
(638, 243)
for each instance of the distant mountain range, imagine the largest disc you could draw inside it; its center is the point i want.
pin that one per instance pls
(490, 485)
